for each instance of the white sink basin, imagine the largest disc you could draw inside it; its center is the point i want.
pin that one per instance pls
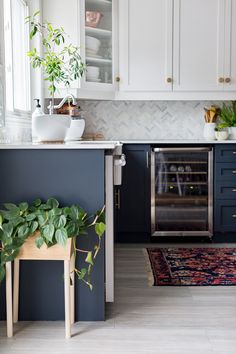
(52, 127)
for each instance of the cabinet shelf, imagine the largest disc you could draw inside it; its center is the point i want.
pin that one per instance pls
(183, 173)
(98, 32)
(185, 183)
(186, 162)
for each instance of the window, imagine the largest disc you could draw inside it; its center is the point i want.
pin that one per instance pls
(17, 66)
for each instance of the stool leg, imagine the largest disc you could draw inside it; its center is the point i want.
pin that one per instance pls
(16, 290)
(9, 300)
(67, 298)
(72, 289)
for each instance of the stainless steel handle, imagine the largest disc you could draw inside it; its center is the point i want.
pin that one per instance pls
(182, 149)
(147, 159)
(234, 216)
(234, 190)
(234, 152)
(234, 172)
(117, 198)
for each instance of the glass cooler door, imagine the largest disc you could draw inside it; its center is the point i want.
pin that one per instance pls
(181, 192)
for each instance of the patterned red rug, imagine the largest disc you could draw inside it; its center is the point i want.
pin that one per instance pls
(191, 266)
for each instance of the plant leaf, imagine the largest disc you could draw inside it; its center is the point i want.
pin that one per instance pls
(52, 203)
(48, 232)
(23, 206)
(89, 258)
(61, 236)
(100, 229)
(39, 242)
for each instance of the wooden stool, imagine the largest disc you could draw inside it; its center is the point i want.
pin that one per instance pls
(29, 251)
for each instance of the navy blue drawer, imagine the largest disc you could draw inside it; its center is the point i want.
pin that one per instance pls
(225, 172)
(225, 153)
(225, 190)
(225, 216)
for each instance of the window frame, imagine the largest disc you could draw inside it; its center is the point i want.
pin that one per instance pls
(34, 79)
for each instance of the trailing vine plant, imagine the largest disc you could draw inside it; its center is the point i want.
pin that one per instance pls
(54, 225)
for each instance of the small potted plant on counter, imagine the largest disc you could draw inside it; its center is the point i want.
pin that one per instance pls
(228, 119)
(221, 133)
(48, 225)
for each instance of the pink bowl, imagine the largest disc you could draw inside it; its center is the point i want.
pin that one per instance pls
(92, 18)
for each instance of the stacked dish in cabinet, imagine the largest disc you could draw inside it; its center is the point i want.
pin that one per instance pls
(98, 40)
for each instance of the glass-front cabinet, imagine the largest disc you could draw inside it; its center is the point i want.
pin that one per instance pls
(181, 202)
(97, 43)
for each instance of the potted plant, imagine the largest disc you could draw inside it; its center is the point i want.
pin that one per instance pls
(221, 133)
(60, 63)
(49, 225)
(228, 119)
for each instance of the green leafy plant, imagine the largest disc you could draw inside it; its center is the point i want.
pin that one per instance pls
(60, 63)
(228, 116)
(54, 225)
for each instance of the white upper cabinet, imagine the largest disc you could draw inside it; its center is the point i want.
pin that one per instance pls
(198, 56)
(96, 38)
(145, 45)
(230, 46)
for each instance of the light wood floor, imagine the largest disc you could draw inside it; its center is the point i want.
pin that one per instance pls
(160, 320)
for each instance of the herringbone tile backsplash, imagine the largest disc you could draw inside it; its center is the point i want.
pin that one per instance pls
(146, 119)
(121, 120)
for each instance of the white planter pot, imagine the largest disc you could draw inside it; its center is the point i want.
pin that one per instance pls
(232, 133)
(209, 131)
(51, 127)
(76, 130)
(222, 135)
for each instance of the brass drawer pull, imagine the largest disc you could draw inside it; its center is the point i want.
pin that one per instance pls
(221, 80)
(228, 80)
(234, 216)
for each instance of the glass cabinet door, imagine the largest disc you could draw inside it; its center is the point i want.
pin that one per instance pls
(180, 192)
(98, 41)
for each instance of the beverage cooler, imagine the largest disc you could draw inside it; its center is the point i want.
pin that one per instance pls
(181, 195)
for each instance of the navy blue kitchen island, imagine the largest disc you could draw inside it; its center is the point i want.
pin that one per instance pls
(73, 176)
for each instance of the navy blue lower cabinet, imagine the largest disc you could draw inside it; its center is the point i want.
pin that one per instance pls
(132, 198)
(225, 216)
(73, 177)
(225, 193)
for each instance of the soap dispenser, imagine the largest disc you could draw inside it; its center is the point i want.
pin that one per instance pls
(37, 112)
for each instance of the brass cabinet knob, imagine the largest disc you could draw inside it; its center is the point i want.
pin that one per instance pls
(117, 79)
(169, 80)
(221, 80)
(227, 80)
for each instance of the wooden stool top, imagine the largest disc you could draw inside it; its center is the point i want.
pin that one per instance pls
(29, 251)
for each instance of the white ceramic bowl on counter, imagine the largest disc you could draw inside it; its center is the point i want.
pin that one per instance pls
(52, 127)
(76, 130)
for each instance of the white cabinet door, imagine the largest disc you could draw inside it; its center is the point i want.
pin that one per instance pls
(230, 45)
(198, 59)
(145, 45)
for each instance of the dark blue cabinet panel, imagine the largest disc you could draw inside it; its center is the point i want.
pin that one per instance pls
(72, 176)
(225, 216)
(133, 207)
(225, 189)
(225, 153)
(225, 171)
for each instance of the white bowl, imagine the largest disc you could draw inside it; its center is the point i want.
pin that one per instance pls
(92, 44)
(93, 70)
(76, 130)
(51, 127)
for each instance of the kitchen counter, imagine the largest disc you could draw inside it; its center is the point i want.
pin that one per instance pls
(77, 145)
(178, 141)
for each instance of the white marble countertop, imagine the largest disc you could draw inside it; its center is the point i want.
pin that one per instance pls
(77, 145)
(178, 141)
